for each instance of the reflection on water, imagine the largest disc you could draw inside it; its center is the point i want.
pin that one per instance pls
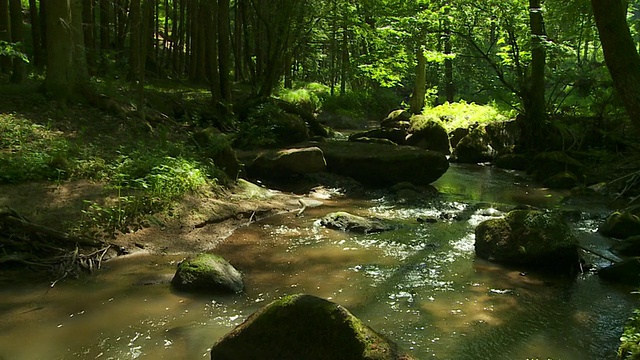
(420, 285)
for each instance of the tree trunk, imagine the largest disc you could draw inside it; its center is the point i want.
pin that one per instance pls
(17, 36)
(620, 53)
(345, 59)
(5, 35)
(66, 63)
(224, 49)
(533, 122)
(36, 34)
(420, 85)
(135, 41)
(449, 88)
(88, 23)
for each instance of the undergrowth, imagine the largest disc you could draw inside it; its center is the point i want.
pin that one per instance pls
(630, 340)
(462, 114)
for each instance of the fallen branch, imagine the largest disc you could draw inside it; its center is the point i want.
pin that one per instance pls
(598, 254)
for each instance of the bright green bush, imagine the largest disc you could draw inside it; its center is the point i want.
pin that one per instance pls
(462, 114)
(309, 96)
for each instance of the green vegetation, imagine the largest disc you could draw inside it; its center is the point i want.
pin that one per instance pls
(461, 115)
(630, 340)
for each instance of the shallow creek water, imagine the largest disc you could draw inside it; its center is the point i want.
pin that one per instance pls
(420, 285)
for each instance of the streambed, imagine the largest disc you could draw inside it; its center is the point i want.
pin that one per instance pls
(421, 285)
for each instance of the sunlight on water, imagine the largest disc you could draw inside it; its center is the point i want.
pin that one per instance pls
(419, 284)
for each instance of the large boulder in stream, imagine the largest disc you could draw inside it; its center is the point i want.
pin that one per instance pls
(473, 148)
(621, 225)
(305, 327)
(287, 162)
(534, 238)
(384, 165)
(623, 272)
(348, 222)
(207, 273)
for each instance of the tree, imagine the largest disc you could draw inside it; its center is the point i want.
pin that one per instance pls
(67, 73)
(17, 37)
(620, 53)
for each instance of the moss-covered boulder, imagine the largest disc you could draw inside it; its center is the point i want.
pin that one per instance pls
(304, 327)
(563, 180)
(624, 272)
(207, 273)
(473, 148)
(621, 225)
(548, 164)
(537, 239)
(430, 136)
(287, 162)
(215, 145)
(345, 221)
(512, 161)
(381, 165)
(628, 247)
(396, 136)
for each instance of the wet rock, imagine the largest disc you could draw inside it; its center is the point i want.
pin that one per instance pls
(512, 162)
(534, 238)
(207, 273)
(304, 327)
(563, 180)
(396, 136)
(547, 164)
(473, 148)
(621, 225)
(432, 136)
(288, 162)
(348, 222)
(384, 165)
(396, 118)
(624, 272)
(374, 141)
(456, 135)
(503, 135)
(628, 247)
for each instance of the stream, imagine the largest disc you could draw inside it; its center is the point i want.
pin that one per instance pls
(420, 285)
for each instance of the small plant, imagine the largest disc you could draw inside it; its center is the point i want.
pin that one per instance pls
(630, 340)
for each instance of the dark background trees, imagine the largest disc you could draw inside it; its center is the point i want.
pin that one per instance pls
(541, 58)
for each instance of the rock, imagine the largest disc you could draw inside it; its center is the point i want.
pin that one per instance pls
(512, 162)
(207, 273)
(348, 222)
(473, 148)
(288, 162)
(503, 135)
(384, 165)
(624, 272)
(374, 141)
(628, 247)
(456, 135)
(432, 136)
(563, 180)
(533, 238)
(217, 147)
(621, 225)
(396, 117)
(395, 135)
(304, 327)
(551, 163)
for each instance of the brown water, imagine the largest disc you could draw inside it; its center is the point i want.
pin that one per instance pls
(420, 285)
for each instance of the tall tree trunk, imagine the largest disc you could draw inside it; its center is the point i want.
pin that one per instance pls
(620, 53)
(105, 27)
(88, 23)
(135, 41)
(533, 122)
(224, 49)
(420, 85)
(345, 59)
(211, 57)
(36, 34)
(449, 88)
(5, 35)
(17, 36)
(60, 77)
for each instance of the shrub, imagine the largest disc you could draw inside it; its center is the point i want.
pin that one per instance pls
(462, 114)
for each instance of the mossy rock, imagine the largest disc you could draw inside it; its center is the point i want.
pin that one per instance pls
(432, 136)
(287, 162)
(396, 136)
(207, 273)
(563, 180)
(512, 162)
(305, 327)
(534, 238)
(621, 225)
(547, 164)
(473, 148)
(216, 146)
(624, 272)
(628, 247)
(348, 222)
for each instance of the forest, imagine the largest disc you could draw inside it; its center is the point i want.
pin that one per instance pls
(133, 126)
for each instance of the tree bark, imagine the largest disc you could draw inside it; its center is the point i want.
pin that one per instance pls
(420, 84)
(88, 24)
(17, 36)
(5, 35)
(620, 53)
(36, 34)
(224, 49)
